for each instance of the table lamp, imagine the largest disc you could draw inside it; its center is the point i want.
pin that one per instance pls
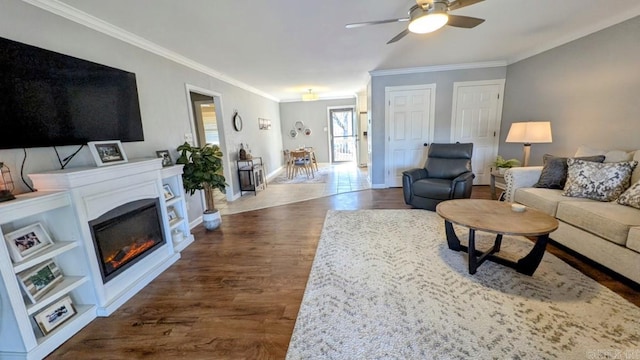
(528, 133)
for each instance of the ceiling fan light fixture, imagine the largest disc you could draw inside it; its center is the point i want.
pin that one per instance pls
(426, 21)
(309, 96)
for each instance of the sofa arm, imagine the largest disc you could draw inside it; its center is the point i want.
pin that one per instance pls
(520, 177)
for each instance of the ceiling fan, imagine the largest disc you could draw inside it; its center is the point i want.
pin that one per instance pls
(428, 16)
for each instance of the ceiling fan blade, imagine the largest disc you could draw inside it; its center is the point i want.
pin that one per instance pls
(457, 4)
(355, 25)
(399, 36)
(466, 22)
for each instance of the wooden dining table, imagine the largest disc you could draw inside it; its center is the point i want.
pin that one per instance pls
(304, 158)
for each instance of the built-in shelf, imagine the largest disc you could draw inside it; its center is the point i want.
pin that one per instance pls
(21, 337)
(68, 284)
(46, 253)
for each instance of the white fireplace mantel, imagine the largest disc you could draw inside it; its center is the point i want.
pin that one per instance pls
(96, 190)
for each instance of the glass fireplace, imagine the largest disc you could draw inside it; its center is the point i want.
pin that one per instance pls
(126, 234)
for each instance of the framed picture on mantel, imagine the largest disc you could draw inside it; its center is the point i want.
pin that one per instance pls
(108, 152)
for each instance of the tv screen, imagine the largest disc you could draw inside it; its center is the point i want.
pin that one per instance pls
(51, 99)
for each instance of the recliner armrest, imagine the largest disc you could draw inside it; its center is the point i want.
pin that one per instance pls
(464, 177)
(415, 174)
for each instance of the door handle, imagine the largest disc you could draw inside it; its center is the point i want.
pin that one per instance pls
(426, 144)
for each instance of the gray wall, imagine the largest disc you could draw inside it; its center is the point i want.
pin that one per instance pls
(161, 87)
(444, 101)
(588, 89)
(313, 114)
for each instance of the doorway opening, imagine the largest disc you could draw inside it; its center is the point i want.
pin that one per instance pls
(206, 110)
(343, 135)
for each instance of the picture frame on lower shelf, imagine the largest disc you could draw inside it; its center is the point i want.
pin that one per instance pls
(39, 280)
(108, 152)
(55, 315)
(27, 241)
(172, 214)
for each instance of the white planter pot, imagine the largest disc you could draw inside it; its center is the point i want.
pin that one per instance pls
(502, 170)
(211, 219)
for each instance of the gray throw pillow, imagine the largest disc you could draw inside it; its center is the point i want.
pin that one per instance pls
(598, 181)
(554, 170)
(631, 197)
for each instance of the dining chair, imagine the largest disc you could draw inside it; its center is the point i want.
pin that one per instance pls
(288, 163)
(312, 158)
(300, 161)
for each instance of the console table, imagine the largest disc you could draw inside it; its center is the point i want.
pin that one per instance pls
(251, 175)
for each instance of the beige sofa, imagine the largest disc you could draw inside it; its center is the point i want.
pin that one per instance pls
(606, 232)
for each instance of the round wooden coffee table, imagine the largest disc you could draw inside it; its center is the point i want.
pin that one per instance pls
(498, 218)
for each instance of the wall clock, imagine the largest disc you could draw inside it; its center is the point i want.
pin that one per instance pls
(237, 121)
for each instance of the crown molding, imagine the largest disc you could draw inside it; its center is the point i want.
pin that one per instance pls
(595, 27)
(70, 13)
(436, 68)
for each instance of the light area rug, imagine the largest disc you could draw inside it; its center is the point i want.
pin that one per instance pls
(320, 177)
(384, 285)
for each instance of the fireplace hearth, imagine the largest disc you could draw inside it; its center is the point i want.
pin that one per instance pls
(126, 234)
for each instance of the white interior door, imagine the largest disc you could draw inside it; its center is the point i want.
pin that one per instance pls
(477, 114)
(409, 128)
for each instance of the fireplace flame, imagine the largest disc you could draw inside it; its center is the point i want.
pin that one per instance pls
(127, 253)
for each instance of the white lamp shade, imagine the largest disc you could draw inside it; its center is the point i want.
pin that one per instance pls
(530, 132)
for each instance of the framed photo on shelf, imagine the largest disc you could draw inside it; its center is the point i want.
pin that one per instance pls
(39, 280)
(168, 194)
(171, 213)
(27, 241)
(56, 314)
(166, 158)
(108, 152)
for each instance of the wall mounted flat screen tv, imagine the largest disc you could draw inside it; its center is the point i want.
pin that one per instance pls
(51, 99)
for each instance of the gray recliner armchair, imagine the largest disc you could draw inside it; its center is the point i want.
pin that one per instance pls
(446, 175)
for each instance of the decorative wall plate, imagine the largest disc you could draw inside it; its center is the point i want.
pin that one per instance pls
(299, 125)
(293, 133)
(307, 131)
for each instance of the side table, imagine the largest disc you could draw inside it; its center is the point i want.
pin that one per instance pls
(497, 180)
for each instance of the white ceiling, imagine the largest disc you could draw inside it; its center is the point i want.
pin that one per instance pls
(281, 48)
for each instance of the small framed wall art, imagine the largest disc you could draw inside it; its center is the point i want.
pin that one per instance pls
(108, 152)
(27, 241)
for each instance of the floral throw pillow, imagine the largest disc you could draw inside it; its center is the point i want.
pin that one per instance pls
(598, 181)
(631, 197)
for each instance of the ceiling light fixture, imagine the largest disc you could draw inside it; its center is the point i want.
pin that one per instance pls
(426, 21)
(310, 96)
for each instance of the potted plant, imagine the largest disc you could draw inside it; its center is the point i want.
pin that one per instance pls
(503, 164)
(203, 171)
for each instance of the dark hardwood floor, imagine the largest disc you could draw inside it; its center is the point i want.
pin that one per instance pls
(236, 291)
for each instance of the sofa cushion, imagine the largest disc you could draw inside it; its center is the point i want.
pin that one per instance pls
(598, 181)
(631, 197)
(633, 241)
(545, 200)
(554, 170)
(607, 220)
